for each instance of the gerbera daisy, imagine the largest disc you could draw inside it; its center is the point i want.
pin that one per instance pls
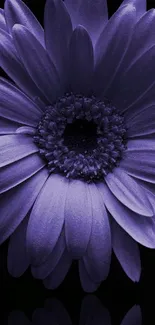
(92, 313)
(77, 163)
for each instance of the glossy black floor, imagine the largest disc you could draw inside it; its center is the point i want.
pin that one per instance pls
(118, 294)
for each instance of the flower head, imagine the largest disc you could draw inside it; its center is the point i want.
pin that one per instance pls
(77, 138)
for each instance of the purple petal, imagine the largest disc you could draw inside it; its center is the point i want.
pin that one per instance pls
(135, 160)
(39, 66)
(81, 61)
(2, 20)
(139, 4)
(10, 63)
(78, 218)
(92, 15)
(7, 127)
(86, 282)
(141, 104)
(46, 219)
(16, 203)
(98, 257)
(137, 80)
(16, 12)
(27, 130)
(19, 171)
(140, 145)
(59, 273)
(43, 270)
(127, 252)
(58, 30)
(140, 167)
(150, 191)
(140, 228)
(16, 106)
(110, 50)
(142, 39)
(142, 123)
(15, 147)
(18, 260)
(128, 192)
(133, 316)
(93, 312)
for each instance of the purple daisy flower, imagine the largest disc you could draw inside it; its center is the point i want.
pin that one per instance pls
(77, 163)
(92, 313)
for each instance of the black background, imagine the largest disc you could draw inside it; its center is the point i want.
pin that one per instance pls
(118, 293)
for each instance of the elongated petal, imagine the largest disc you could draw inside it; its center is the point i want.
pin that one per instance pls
(140, 167)
(142, 38)
(39, 66)
(10, 63)
(150, 190)
(110, 50)
(127, 191)
(43, 270)
(8, 127)
(133, 317)
(16, 203)
(15, 147)
(137, 80)
(18, 260)
(2, 20)
(141, 104)
(19, 171)
(16, 106)
(140, 228)
(28, 130)
(140, 145)
(92, 15)
(16, 12)
(139, 4)
(135, 160)
(58, 30)
(98, 257)
(143, 123)
(59, 273)
(127, 252)
(86, 282)
(46, 219)
(81, 61)
(78, 218)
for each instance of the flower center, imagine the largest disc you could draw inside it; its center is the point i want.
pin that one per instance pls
(81, 137)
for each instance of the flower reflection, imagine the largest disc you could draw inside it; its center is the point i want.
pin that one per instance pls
(92, 313)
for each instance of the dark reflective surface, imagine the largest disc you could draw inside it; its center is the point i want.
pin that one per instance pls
(90, 310)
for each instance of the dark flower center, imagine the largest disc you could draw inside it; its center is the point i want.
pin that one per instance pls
(81, 137)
